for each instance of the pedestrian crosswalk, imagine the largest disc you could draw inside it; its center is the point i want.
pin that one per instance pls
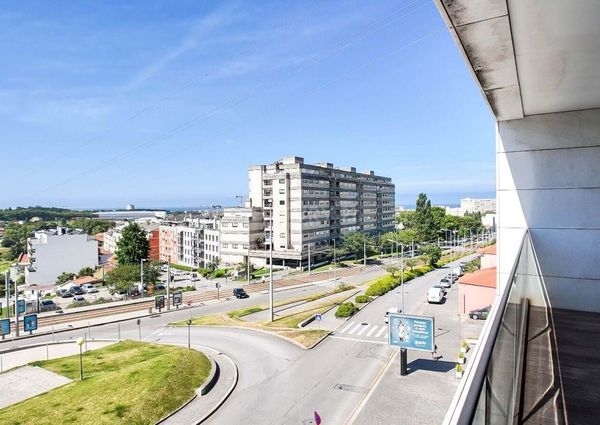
(367, 331)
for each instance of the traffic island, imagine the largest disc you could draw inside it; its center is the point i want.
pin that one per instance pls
(128, 382)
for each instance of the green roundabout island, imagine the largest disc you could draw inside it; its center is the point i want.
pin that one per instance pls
(127, 382)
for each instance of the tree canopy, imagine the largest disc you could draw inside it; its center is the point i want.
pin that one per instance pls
(353, 243)
(133, 245)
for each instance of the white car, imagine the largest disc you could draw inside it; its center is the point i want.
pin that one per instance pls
(89, 288)
(395, 310)
(435, 295)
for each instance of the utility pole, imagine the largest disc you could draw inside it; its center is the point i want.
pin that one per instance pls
(142, 276)
(309, 258)
(169, 286)
(7, 286)
(271, 314)
(248, 258)
(16, 309)
(364, 253)
(334, 265)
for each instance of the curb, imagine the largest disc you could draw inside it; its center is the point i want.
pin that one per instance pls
(227, 394)
(312, 318)
(43, 344)
(212, 379)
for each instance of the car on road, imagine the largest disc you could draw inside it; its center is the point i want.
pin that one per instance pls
(240, 293)
(435, 295)
(446, 283)
(444, 290)
(63, 293)
(78, 298)
(480, 313)
(89, 288)
(76, 290)
(393, 310)
(47, 305)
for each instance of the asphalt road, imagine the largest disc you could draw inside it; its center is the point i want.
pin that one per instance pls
(281, 383)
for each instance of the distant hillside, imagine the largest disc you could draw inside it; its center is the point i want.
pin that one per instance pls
(44, 213)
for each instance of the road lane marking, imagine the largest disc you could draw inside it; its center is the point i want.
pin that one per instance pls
(369, 341)
(381, 331)
(347, 327)
(371, 331)
(354, 329)
(364, 328)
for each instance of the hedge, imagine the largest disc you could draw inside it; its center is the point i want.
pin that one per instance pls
(387, 283)
(346, 310)
(362, 299)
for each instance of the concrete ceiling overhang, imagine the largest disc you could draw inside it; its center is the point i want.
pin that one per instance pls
(529, 56)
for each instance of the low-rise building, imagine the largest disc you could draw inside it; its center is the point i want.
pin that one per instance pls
(478, 205)
(51, 253)
(242, 232)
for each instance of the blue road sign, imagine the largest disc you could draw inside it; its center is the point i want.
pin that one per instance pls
(21, 306)
(4, 326)
(30, 322)
(317, 317)
(412, 332)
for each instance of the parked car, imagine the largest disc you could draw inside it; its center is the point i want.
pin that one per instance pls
(78, 298)
(47, 305)
(76, 290)
(446, 283)
(240, 293)
(441, 287)
(89, 288)
(391, 310)
(480, 313)
(435, 295)
(160, 287)
(63, 293)
(452, 277)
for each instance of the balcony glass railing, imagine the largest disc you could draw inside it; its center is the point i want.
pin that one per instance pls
(515, 375)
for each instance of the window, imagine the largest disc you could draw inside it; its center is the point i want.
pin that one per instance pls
(224, 224)
(245, 246)
(225, 245)
(281, 202)
(282, 235)
(282, 191)
(234, 246)
(234, 225)
(246, 225)
(282, 181)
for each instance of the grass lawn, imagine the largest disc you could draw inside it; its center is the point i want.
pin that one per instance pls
(129, 382)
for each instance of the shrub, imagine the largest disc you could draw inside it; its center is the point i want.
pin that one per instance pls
(382, 286)
(346, 310)
(203, 272)
(218, 273)
(362, 299)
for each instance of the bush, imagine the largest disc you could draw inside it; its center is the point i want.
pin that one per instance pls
(203, 271)
(362, 299)
(218, 273)
(382, 286)
(346, 310)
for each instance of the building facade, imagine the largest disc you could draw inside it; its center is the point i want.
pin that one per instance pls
(313, 205)
(477, 205)
(52, 253)
(242, 232)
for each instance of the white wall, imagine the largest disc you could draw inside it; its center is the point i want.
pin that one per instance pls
(548, 180)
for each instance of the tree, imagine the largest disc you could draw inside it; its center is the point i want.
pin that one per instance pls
(152, 271)
(133, 245)
(21, 279)
(354, 243)
(433, 253)
(411, 262)
(122, 277)
(86, 271)
(424, 224)
(64, 277)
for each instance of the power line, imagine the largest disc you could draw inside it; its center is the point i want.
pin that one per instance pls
(342, 45)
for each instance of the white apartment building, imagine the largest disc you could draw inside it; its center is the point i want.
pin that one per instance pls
(54, 252)
(212, 250)
(477, 205)
(316, 204)
(194, 243)
(242, 231)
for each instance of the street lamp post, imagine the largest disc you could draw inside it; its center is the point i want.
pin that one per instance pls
(271, 313)
(80, 342)
(142, 276)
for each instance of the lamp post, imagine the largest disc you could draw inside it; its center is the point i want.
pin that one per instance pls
(80, 341)
(142, 276)
(271, 314)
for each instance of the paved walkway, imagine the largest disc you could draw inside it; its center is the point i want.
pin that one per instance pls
(202, 406)
(423, 396)
(16, 358)
(26, 382)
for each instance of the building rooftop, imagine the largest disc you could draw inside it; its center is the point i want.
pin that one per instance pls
(488, 250)
(484, 277)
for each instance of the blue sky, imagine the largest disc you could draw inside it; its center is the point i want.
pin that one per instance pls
(162, 103)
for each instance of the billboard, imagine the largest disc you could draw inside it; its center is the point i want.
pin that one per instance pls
(412, 332)
(177, 298)
(4, 326)
(30, 323)
(21, 306)
(159, 301)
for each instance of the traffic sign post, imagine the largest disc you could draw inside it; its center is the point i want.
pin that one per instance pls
(139, 323)
(30, 323)
(318, 320)
(218, 286)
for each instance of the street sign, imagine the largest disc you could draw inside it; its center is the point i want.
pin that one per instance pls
(21, 306)
(317, 317)
(217, 285)
(177, 299)
(412, 332)
(4, 327)
(30, 323)
(159, 301)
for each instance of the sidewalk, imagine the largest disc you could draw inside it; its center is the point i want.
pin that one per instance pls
(201, 407)
(423, 396)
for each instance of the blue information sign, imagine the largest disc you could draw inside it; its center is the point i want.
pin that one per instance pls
(21, 306)
(4, 326)
(412, 332)
(317, 317)
(30, 322)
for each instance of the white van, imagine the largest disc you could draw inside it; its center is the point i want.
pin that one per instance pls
(435, 295)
